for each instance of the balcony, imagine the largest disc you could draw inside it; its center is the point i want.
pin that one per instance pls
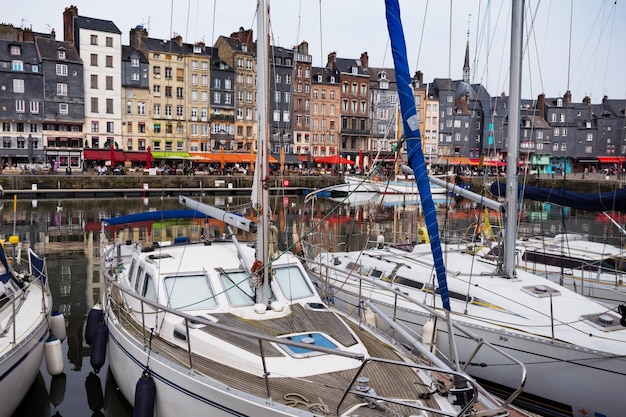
(356, 132)
(223, 117)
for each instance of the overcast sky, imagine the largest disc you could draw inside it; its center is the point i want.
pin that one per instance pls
(595, 66)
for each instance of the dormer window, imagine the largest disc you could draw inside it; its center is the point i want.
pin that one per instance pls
(134, 62)
(559, 102)
(319, 78)
(384, 85)
(16, 50)
(355, 70)
(244, 47)
(197, 49)
(61, 54)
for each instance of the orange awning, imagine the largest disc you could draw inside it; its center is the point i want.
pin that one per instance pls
(226, 157)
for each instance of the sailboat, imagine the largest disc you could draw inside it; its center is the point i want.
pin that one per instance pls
(25, 306)
(568, 342)
(219, 327)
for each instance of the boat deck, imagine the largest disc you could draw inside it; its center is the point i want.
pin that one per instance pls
(392, 382)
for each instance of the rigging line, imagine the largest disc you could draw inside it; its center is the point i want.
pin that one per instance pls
(321, 42)
(419, 47)
(450, 43)
(171, 22)
(187, 25)
(533, 34)
(195, 28)
(213, 23)
(299, 22)
(569, 53)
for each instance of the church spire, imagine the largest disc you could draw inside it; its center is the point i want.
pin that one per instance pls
(466, 65)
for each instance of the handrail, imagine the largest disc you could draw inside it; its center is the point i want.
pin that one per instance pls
(478, 340)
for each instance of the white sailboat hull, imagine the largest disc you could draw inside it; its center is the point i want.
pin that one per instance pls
(20, 362)
(179, 391)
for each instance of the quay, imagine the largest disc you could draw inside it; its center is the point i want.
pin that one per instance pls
(89, 185)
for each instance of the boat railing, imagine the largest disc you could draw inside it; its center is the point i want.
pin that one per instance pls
(466, 395)
(15, 301)
(405, 333)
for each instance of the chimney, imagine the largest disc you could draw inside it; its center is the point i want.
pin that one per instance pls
(178, 39)
(68, 23)
(303, 48)
(28, 35)
(587, 100)
(541, 105)
(568, 96)
(419, 77)
(244, 36)
(53, 34)
(136, 35)
(364, 59)
(332, 57)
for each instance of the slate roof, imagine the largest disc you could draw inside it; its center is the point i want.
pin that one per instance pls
(92, 23)
(48, 48)
(28, 52)
(345, 65)
(375, 71)
(170, 46)
(128, 51)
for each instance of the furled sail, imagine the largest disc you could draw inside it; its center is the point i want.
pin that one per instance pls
(607, 201)
(414, 142)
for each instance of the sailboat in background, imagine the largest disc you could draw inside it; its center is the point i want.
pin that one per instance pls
(567, 342)
(222, 328)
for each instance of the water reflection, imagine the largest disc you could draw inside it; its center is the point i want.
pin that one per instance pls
(69, 237)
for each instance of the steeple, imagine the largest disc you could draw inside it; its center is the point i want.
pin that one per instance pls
(466, 65)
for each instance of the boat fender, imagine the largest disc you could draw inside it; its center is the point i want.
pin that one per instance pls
(57, 325)
(145, 396)
(370, 316)
(380, 241)
(57, 389)
(429, 334)
(54, 355)
(94, 317)
(95, 397)
(99, 346)
(422, 235)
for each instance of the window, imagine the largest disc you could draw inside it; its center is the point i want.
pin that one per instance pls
(180, 74)
(34, 108)
(286, 116)
(18, 66)
(179, 92)
(109, 82)
(589, 137)
(194, 95)
(129, 129)
(168, 73)
(205, 80)
(556, 131)
(95, 126)
(277, 96)
(109, 61)
(94, 81)
(157, 129)
(34, 68)
(63, 108)
(94, 40)
(110, 127)
(134, 62)
(62, 69)
(204, 96)
(18, 86)
(61, 89)
(168, 109)
(94, 60)
(179, 111)
(248, 64)
(156, 109)
(109, 42)
(216, 97)
(94, 104)
(277, 115)
(239, 62)
(135, 76)
(168, 91)
(156, 71)
(15, 50)
(141, 108)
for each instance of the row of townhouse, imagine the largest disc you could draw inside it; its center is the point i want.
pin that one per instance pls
(90, 98)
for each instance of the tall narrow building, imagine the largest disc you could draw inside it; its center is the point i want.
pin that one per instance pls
(99, 44)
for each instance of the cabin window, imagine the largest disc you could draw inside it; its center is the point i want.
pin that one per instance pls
(138, 279)
(149, 291)
(190, 292)
(131, 272)
(292, 283)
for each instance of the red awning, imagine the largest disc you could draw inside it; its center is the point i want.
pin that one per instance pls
(611, 159)
(335, 159)
(103, 155)
(134, 156)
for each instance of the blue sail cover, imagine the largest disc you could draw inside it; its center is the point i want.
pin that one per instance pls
(154, 216)
(5, 270)
(607, 201)
(414, 142)
(37, 266)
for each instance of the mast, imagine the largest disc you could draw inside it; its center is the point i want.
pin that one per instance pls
(261, 205)
(515, 86)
